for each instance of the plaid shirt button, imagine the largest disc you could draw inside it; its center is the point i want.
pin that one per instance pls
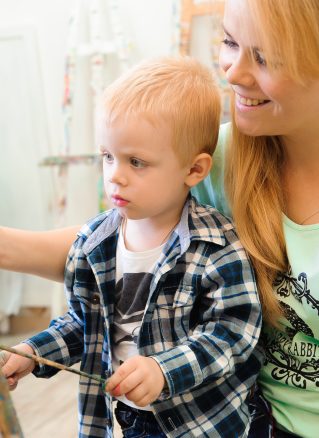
(96, 298)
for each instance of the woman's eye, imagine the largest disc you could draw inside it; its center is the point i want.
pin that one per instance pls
(135, 162)
(259, 57)
(229, 43)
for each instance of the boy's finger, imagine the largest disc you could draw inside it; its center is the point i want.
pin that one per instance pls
(131, 383)
(7, 370)
(121, 374)
(117, 391)
(137, 394)
(12, 383)
(3, 358)
(10, 368)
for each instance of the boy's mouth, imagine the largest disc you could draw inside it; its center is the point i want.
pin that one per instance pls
(119, 201)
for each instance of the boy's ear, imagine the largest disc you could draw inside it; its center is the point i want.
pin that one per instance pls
(199, 169)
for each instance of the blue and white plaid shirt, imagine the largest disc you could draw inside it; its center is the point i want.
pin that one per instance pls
(201, 324)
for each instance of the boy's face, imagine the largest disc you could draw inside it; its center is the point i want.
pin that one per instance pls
(143, 177)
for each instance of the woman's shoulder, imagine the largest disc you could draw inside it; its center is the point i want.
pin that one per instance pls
(218, 167)
(223, 136)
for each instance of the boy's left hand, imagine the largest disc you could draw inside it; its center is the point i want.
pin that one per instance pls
(139, 378)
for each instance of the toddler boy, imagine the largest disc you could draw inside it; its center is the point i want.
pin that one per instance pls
(162, 298)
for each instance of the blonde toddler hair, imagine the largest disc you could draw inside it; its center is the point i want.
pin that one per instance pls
(176, 90)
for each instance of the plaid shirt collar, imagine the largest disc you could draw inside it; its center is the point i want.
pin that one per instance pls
(190, 227)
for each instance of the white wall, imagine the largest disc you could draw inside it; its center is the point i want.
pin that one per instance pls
(32, 38)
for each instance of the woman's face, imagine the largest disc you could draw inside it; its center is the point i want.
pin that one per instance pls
(266, 102)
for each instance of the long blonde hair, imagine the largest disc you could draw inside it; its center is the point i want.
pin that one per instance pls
(289, 31)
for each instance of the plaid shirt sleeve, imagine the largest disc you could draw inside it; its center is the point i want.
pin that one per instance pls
(228, 328)
(63, 341)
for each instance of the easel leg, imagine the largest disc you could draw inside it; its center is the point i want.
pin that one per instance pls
(9, 424)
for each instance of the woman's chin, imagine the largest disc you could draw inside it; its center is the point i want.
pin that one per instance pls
(250, 128)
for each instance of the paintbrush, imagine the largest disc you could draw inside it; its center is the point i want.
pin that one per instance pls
(53, 364)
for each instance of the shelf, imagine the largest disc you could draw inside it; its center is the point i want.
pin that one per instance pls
(66, 160)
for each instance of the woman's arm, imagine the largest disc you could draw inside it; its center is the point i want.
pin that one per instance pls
(34, 252)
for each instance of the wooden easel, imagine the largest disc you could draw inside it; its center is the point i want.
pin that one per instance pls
(215, 9)
(9, 424)
(189, 10)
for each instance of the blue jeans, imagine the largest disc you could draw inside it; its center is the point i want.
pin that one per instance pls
(136, 423)
(263, 424)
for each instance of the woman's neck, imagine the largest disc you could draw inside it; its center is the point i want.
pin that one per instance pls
(300, 180)
(302, 151)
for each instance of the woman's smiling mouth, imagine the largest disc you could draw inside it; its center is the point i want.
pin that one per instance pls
(247, 103)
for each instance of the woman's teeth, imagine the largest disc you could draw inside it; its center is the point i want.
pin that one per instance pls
(250, 102)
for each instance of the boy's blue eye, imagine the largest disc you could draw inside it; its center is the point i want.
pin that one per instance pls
(108, 157)
(135, 162)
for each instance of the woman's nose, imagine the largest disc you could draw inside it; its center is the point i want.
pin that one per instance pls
(238, 69)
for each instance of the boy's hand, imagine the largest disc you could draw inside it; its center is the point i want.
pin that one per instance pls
(15, 367)
(139, 378)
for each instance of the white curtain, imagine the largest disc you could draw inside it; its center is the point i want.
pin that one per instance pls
(11, 285)
(23, 141)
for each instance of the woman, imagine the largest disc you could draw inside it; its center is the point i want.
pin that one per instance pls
(270, 55)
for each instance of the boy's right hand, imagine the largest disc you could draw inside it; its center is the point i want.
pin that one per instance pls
(15, 367)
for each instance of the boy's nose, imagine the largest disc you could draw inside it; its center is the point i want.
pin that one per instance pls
(117, 177)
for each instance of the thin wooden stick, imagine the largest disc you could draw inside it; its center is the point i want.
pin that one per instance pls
(53, 364)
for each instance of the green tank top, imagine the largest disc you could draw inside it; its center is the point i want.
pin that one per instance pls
(290, 376)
